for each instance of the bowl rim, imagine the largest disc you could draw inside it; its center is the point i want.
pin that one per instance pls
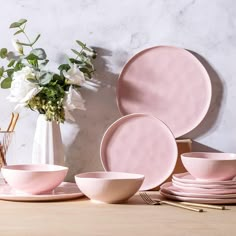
(231, 156)
(133, 176)
(58, 168)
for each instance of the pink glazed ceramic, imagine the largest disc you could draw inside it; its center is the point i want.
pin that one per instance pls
(167, 82)
(34, 179)
(142, 144)
(210, 166)
(109, 187)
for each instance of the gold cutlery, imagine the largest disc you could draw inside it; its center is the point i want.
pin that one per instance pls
(147, 199)
(203, 205)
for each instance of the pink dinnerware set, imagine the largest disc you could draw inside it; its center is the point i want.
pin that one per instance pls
(163, 93)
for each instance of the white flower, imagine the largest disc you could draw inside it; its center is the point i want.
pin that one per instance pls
(72, 100)
(18, 47)
(22, 90)
(74, 75)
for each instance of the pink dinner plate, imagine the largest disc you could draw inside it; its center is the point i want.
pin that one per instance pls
(205, 186)
(141, 144)
(205, 190)
(189, 179)
(167, 82)
(64, 191)
(170, 189)
(199, 200)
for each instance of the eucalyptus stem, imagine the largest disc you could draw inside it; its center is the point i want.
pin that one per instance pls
(23, 31)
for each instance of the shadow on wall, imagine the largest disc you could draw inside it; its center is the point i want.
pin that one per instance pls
(213, 115)
(101, 110)
(199, 147)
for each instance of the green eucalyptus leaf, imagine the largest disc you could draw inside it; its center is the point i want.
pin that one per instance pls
(11, 55)
(10, 72)
(1, 71)
(18, 23)
(75, 61)
(57, 79)
(3, 52)
(76, 52)
(18, 32)
(45, 78)
(36, 39)
(6, 83)
(15, 25)
(84, 47)
(22, 21)
(18, 66)
(30, 44)
(65, 67)
(80, 43)
(25, 44)
(11, 63)
(32, 80)
(85, 70)
(31, 57)
(40, 53)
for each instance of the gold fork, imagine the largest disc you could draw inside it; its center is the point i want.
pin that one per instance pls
(146, 198)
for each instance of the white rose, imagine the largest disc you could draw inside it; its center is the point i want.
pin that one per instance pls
(18, 47)
(22, 90)
(74, 75)
(73, 100)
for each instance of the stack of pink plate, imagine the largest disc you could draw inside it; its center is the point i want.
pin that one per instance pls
(185, 187)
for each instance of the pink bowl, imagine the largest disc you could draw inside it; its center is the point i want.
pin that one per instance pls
(109, 187)
(34, 179)
(210, 166)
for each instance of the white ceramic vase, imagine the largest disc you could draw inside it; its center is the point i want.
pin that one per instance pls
(47, 146)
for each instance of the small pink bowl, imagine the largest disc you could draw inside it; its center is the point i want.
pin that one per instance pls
(109, 187)
(34, 179)
(210, 166)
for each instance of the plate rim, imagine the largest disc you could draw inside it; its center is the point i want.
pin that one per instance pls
(116, 123)
(199, 200)
(41, 197)
(181, 193)
(188, 185)
(196, 181)
(130, 60)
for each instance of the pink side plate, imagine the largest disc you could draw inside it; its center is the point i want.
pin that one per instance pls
(199, 200)
(64, 191)
(167, 82)
(187, 178)
(205, 186)
(170, 189)
(141, 144)
(205, 190)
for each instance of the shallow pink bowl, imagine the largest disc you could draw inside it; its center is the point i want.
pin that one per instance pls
(210, 166)
(109, 187)
(34, 179)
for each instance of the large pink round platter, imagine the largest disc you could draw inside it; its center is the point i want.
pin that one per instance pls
(170, 189)
(64, 191)
(167, 82)
(189, 179)
(205, 186)
(199, 200)
(141, 144)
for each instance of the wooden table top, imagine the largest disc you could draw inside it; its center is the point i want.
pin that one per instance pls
(82, 217)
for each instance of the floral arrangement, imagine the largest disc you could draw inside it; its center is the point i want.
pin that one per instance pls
(33, 86)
